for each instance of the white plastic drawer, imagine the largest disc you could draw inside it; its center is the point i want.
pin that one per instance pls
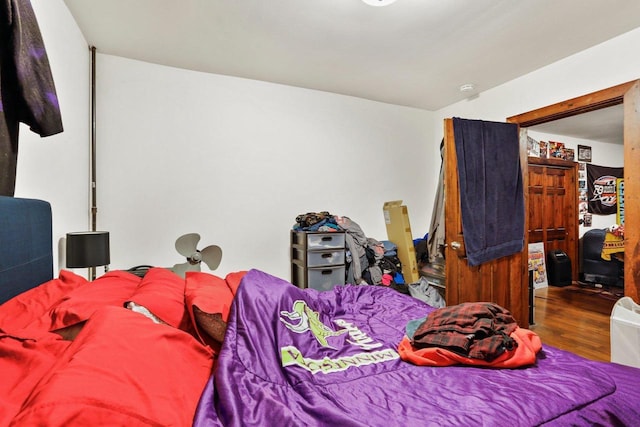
(321, 258)
(324, 279)
(318, 241)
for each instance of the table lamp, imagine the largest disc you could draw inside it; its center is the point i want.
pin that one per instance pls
(88, 249)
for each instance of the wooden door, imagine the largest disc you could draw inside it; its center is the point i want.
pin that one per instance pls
(503, 281)
(553, 207)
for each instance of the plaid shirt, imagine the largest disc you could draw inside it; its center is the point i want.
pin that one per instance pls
(479, 330)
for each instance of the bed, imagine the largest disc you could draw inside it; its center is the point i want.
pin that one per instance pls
(250, 349)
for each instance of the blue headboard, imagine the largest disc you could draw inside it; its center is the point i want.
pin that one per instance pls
(26, 245)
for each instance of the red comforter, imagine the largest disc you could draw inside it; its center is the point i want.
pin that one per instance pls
(71, 354)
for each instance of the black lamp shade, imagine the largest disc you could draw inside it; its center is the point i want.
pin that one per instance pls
(88, 249)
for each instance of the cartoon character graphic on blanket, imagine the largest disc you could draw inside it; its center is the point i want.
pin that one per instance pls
(302, 319)
(309, 320)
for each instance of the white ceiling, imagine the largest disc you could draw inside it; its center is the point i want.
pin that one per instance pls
(413, 52)
(604, 125)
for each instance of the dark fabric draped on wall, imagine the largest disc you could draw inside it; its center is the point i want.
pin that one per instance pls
(602, 189)
(27, 91)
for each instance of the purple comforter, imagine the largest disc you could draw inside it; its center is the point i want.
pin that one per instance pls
(296, 357)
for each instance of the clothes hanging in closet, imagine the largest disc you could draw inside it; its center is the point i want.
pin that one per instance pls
(436, 238)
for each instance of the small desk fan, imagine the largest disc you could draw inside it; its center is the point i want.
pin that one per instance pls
(186, 246)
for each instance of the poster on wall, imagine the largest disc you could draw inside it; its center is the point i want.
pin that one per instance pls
(556, 150)
(537, 265)
(602, 189)
(582, 170)
(533, 147)
(620, 213)
(569, 154)
(583, 207)
(544, 150)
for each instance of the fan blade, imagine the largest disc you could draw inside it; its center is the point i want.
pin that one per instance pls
(181, 269)
(187, 245)
(211, 255)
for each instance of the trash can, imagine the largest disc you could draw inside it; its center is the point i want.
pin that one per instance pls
(558, 268)
(625, 332)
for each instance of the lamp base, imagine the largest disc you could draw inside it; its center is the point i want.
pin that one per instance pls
(93, 274)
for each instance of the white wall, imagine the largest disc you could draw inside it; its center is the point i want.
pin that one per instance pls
(56, 168)
(600, 67)
(236, 161)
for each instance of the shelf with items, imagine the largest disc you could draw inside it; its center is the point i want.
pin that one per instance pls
(549, 161)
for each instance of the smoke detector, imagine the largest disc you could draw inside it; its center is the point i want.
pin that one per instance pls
(378, 2)
(468, 87)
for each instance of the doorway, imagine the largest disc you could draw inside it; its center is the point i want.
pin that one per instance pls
(627, 95)
(505, 281)
(553, 210)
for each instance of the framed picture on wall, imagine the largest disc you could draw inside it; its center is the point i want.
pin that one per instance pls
(584, 153)
(570, 154)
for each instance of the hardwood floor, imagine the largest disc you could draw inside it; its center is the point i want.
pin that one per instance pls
(576, 318)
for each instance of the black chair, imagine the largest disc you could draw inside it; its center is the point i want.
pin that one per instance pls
(594, 269)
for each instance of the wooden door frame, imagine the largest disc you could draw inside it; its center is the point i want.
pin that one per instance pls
(627, 94)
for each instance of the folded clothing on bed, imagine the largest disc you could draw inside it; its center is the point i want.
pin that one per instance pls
(527, 345)
(473, 333)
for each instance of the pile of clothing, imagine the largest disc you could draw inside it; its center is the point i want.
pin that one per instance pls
(369, 261)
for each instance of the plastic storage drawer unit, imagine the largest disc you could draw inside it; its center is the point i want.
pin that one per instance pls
(320, 259)
(317, 259)
(321, 278)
